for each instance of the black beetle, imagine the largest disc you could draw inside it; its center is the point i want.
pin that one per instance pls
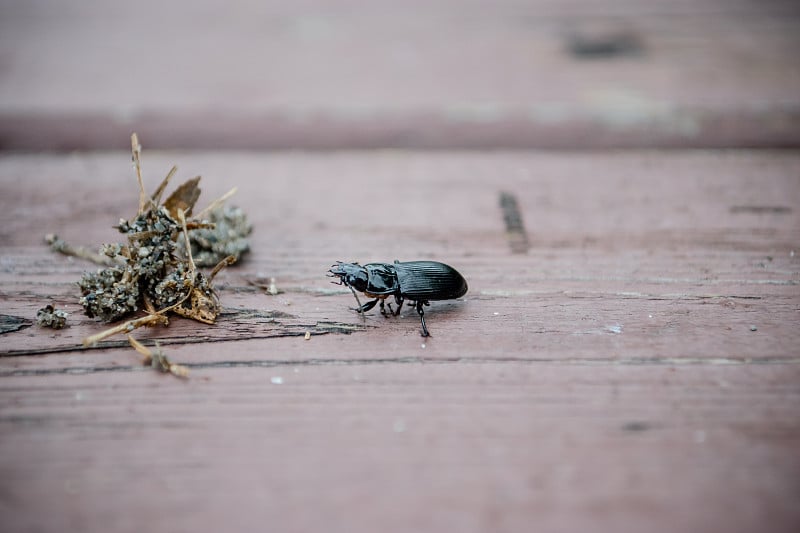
(416, 281)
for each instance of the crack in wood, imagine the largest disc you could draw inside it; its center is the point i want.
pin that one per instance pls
(627, 295)
(10, 323)
(515, 227)
(254, 313)
(321, 327)
(293, 289)
(761, 209)
(267, 363)
(637, 426)
(603, 44)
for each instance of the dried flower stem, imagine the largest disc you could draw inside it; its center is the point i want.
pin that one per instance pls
(141, 348)
(126, 326)
(222, 264)
(182, 220)
(215, 204)
(156, 197)
(157, 359)
(59, 245)
(136, 150)
(199, 225)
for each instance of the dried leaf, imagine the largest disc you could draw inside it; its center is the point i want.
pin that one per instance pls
(202, 304)
(183, 198)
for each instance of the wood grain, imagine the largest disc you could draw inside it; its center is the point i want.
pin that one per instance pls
(635, 369)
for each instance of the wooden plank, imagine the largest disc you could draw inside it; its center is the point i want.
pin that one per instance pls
(495, 446)
(635, 368)
(445, 74)
(642, 236)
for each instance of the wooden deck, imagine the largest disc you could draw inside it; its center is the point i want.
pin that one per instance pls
(626, 358)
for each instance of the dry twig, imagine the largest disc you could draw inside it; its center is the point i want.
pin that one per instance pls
(158, 359)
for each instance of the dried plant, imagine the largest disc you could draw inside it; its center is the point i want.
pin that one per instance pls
(50, 317)
(155, 270)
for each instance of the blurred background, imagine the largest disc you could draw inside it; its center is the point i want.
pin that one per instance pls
(339, 74)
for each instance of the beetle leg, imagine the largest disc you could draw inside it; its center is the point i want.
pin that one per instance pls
(383, 308)
(399, 301)
(357, 309)
(367, 306)
(419, 305)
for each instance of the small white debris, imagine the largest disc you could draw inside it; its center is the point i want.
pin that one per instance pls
(307, 335)
(276, 380)
(649, 316)
(422, 345)
(753, 328)
(614, 329)
(495, 313)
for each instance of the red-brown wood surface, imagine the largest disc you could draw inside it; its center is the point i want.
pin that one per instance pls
(636, 369)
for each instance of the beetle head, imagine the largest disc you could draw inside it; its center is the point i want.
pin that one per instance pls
(352, 275)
